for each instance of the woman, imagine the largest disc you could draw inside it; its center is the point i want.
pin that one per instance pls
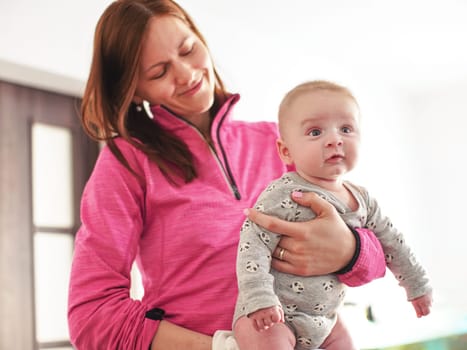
(169, 189)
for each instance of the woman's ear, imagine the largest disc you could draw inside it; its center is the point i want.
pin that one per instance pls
(137, 100)
(283, 151)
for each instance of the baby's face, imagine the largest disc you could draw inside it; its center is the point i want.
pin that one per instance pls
(320, 134)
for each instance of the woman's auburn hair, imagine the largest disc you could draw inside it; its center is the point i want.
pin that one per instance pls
(107, 109)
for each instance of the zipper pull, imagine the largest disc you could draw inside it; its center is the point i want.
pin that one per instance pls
(236, 192)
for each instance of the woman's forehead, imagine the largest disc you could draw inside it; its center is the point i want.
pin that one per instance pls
(164, 36)
(165, 30)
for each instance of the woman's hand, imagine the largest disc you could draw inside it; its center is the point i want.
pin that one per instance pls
(172, 337)
(320, 246)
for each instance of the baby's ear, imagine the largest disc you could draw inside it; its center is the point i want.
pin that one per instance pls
(283, 151)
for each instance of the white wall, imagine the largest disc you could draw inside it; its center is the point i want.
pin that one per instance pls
(438, 180)
(415, 164)
(406, 63)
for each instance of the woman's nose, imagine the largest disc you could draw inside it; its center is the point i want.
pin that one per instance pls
(183, 73)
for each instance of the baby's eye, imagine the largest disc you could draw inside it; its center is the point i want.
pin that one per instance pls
(346, 129)
(314, 132)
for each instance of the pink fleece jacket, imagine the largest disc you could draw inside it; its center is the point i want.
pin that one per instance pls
(184, 239)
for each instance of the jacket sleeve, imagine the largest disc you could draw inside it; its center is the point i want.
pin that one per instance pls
(369, 262)
(101, 314)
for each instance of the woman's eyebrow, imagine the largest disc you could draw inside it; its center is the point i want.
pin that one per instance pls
(182, 42)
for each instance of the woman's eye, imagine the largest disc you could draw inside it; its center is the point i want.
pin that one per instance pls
(187, 50)
(314, 132)
(159, 74)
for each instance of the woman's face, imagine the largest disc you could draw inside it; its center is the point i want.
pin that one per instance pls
(175, 70)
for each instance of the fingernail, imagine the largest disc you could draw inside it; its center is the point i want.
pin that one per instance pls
(246, 211)
(297, 194)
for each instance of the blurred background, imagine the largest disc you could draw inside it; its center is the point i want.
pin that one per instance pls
(404, 61)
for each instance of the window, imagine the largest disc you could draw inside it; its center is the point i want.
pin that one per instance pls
(53, 222)
(46, 160)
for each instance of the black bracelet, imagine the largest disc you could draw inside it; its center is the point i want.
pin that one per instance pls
(155, 314)
(355, 256)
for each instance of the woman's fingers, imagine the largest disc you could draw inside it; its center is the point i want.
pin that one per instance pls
(280, 253)
(274, 224)
(322, 245)
(318, 205)
(286, 267)
(277, 253)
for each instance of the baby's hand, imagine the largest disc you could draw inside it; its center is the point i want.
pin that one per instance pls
(422, 305)
(265, 318)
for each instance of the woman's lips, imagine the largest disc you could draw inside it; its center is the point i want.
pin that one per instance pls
(194, 89)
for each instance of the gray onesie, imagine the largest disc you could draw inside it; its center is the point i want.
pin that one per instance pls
(310, 304)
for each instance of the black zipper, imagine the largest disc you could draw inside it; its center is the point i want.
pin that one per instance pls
(224, 156)
(227, 171)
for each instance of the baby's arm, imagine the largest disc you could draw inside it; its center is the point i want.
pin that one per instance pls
(422, 305)
(400, 259)
(267, 317)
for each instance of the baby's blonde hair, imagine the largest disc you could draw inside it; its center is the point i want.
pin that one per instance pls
(310, 86)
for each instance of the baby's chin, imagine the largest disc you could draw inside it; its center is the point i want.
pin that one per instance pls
(323, 178)
(335, 173)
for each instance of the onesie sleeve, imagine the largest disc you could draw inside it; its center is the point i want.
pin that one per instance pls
(101, 314)
(399, 256)
(255, 283)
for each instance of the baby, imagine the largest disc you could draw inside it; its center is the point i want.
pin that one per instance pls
(319, 125)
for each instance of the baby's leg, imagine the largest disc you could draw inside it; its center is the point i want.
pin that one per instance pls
(339, 338)
(278, 336)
